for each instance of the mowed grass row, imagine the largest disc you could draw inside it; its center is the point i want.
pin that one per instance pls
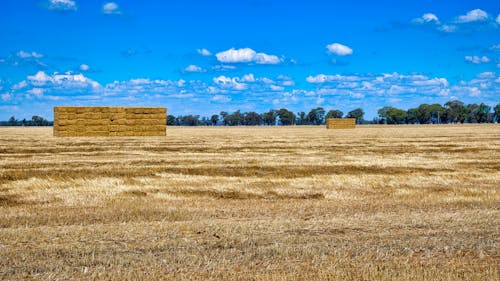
(262, 203)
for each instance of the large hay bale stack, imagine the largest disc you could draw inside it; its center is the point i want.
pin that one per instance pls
(341, 123)
(79, 121)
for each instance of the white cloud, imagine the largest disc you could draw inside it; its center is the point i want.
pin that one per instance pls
(427, 18)
(62, 5)
(498, 19)
(228, 82)
(449, 28)
(477, 59)
(474, 92)
(322, 78)
(473, 16)
(223, 67)
(221, 98)
(276, 88)
(248, 78)
(246, 55)
(339, 49)
(111, 8)
(37, 92)
(66, 80)
(204, 52)
(261, 58)
(6, 96)
(26, 55)
(84, 67)
(193, 68)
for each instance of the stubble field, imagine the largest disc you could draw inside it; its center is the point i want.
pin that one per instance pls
(280, 203)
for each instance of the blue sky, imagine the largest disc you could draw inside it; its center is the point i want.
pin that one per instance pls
(201, 57)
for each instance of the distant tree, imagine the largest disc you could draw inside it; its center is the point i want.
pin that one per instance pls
(455, 111)
(234, 119)
(39, 121)
(483, 112)
(190, 120)
(214, 119)
(471, 113)
(252, 119)
(316, 116)
(171, 120)
(496, 111)
(334, 113)
(286, 117)
(357, 113)
(269, 117)
(12, 121)
(301, 118)
(24, 122)
(392, 115)
(223, 115)
(412, 116)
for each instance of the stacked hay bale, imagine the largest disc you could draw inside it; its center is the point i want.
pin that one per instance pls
(340, 123)
(72, 121)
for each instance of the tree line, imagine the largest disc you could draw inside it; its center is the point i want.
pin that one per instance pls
(453, 111)
(34, 121)
(273, 117)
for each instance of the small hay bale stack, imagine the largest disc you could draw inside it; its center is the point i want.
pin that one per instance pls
(341, 123)
(104, 121)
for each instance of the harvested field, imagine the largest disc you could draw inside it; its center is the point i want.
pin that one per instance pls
(259, 203)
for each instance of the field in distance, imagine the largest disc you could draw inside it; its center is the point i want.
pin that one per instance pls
(261, 203)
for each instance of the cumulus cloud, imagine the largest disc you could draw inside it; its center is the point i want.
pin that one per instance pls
(498, 19)
(221, 98)
(67, 80)
(427, 18)
(477, 59)
(248, 78)
(27, 55)
(339, 49)
(473, 16)
(204, 52)
(449, 28)
(62, 5)
(84, 67)
(231, 83)
(6, 96)
(246, 55)
(111, 8)
(194, 68)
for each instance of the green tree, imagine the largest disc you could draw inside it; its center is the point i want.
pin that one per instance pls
(316, 116)
(171, 120)
(269, 117)
(214, 119)
(286, 117)
(334, 113)
(234, 119)
(471, 113)
(455, 111)
(190, 120)
(39, 121)
(301, 118)
(392, 115)
(12, 121)
(357, 113)
(223, 115)
(412, 116)
(496, 110)
(252, 119)
(483, 112)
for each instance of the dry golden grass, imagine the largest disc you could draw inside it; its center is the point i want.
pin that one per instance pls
(374, 203)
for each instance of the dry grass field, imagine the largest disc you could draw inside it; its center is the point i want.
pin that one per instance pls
(253, 203)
